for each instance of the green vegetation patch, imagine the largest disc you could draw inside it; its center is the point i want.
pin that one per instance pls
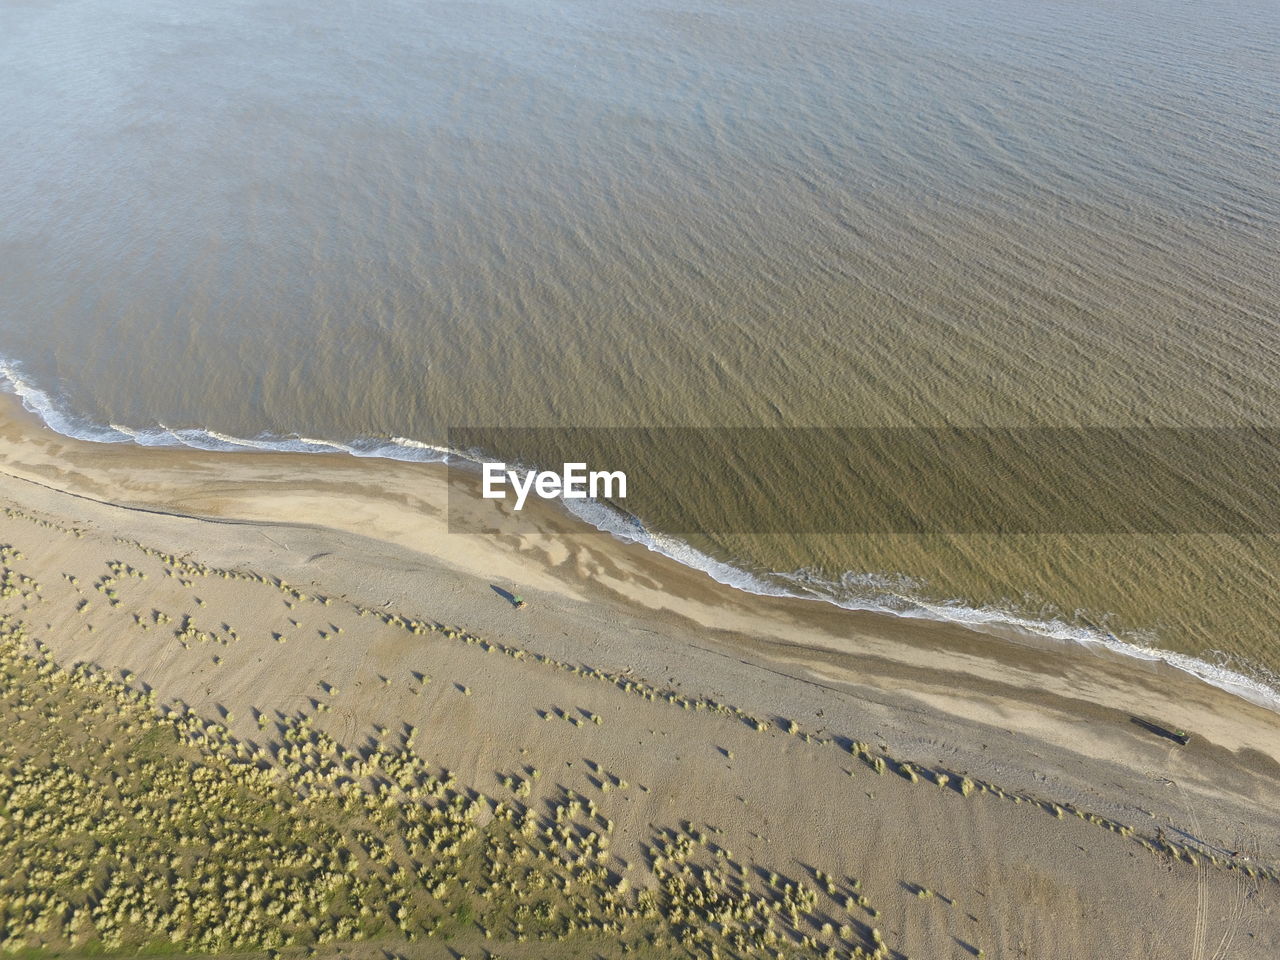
(131, 826)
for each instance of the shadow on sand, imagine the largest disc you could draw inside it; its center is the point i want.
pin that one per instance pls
(1180, 737)
(507, 595)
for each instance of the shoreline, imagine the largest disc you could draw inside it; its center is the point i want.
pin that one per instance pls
(737, 710)
(45, 414)
(544, 549)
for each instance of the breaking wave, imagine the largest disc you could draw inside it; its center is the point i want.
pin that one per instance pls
(862, 592)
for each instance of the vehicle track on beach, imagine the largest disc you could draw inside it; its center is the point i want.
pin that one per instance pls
(1234, 918)
(1200, 930)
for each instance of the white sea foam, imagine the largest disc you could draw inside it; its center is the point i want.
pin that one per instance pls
(874, 593)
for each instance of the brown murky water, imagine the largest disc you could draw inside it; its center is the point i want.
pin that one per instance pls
(353, 223)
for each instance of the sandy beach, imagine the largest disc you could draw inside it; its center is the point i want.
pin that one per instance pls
(991, 795)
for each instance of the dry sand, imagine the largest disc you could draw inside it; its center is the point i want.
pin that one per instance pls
(1033, 723)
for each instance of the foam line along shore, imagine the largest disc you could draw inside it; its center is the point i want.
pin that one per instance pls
(626, 528)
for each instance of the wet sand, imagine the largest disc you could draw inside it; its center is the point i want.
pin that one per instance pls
(1074, 837)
